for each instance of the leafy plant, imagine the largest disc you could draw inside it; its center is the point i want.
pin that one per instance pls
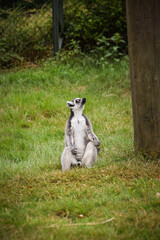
(108, 49)
(88, 20)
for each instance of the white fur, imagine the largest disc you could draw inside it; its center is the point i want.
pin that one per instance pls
(79, 134)
(80, 140)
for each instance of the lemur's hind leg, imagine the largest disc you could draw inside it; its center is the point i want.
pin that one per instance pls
(67, 159)
(90, 155)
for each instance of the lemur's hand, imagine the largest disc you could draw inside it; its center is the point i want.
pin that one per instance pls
(73, 150)
(93, 138)
(96, 141)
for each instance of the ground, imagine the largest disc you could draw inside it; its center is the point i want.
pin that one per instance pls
(35, 193)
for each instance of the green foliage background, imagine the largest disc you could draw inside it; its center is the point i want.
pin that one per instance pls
(26, 28)
(88, 20)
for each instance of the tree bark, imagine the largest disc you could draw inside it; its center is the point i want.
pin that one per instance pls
(143, 23)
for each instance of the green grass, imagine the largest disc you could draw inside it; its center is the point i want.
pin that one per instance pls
(35, 193)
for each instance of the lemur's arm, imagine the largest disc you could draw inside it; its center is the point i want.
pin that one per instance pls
(68, 134)
(91, 135)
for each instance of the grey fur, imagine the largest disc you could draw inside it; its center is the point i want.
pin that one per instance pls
(80, 140)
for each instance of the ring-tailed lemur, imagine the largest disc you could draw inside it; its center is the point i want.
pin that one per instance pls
(81, 142)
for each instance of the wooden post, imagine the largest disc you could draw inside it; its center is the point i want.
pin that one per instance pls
(143, 23)
(55, 26)
(57, 15)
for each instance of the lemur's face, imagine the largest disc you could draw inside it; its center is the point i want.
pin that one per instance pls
(77, 103)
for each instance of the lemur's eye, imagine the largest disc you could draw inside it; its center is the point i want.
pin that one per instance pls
(78, 101)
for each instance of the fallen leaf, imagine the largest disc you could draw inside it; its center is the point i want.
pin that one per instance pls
(80, 216)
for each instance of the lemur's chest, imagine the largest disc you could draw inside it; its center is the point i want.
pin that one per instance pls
(78, 125)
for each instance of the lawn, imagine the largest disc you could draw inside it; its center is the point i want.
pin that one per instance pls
(38, 200)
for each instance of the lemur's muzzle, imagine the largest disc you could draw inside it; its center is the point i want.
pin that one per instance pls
(70, 104)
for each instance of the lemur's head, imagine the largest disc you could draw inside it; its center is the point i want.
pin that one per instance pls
(76, 104)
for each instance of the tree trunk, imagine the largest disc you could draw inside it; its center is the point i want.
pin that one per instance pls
(143, 23)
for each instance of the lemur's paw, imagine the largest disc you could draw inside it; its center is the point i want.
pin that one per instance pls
(74, 150)
(96, 141)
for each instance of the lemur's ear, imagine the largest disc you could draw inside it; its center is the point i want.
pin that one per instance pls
(70, 104)
(83, 101)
